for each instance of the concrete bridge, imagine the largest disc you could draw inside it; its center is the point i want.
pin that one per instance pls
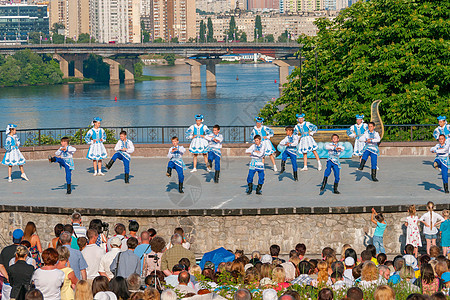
(127, 55)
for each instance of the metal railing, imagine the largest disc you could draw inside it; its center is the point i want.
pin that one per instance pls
(163, 134)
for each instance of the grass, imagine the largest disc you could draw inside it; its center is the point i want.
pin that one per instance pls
(75, 80)
(151, 78)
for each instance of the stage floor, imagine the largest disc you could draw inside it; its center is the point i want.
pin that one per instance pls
(402, 181)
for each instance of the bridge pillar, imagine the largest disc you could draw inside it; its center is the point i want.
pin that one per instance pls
(128, 64)
(195, 72)
(78, 68)
(113, 71)
(283, 71)
(63, 65)
(211, 73)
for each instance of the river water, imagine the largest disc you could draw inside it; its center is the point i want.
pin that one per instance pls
(161, 102)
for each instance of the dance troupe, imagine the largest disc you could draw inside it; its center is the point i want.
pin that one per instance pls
(299, 141)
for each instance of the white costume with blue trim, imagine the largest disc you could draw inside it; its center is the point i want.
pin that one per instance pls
(371, 146)
(356, 131)
(127, 144)
(95, 138)
(334, 151)
(257, 155)
(293, 142)
(13, 156)
(177, 156)
(266, 133)
(305, 131)
(445, 130)
(67, 156)
(215, 143)
(442, 152)
(199, 145)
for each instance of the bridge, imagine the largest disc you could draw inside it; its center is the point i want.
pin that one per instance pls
(127, 55)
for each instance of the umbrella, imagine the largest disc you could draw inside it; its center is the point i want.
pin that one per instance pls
(216, 257)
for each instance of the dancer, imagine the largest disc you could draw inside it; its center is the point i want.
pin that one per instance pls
(215, 151)
(199, 144)
(288, 146)
(430, 220)
(266, 133)
(334, 151)
(412, 230)
(305, 131)
(441, 161)
(123, 149)
(176, 162)
(443, 128)
(13, 156)
(256, 151)
(64, 157)
(97, 152)
(356, 131)
(371, 138)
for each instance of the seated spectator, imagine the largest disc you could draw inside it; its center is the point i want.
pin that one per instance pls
(301, 250)
(138, 295)
(337, 280)
(351, 253)
(20, 272)
(304, 269)
(438, 296)
(49, 279)
(252, 276)
(366, 255)
(58, 229)
(266, 259)
(155, 280)
(344, 248)
(373, 252)
(168, 294)
(101, 290)
(183, 284)
(384, 274)
(83, 291)
(34, 294)
(151, 294)
(355, 293)
(381, 258)
(328, 251)
(410, 259)
(322, 275)
(256, 257)
(275, 252)
(134, 282)
(356, 272)
(279, 278)
(210, 280)
(242, 294)
(348, 273)
(369, 275)
(398, 265)
(434, 251)
(126, 262)
(269, 294)
(407, 275)
(428, 281)
(441, 268)
(384, 292)
(445, 277)
(172, 280)
(325, 294)
(119, 286)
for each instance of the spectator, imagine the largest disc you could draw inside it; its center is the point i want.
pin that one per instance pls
(134, 282)
(183, 281)
(173, 255)
(156, 280)
(133, 228)
(322, 275)
(108, 258)
(168, 294)
(301, 250)
(151, 294)
(144, 248)
(70, 280)
(344, 248)
(384, 274)
(98, 225)
(119, 286)
(275, 252)
(126, 262)
(78, 229)
(29, 234)
(73, 241)
(325, 294)
(157, 246)
(327, 251)
(410, 259)
(20, 272)
(242, 294)
(120, 231)
(434, 251)
(429, 282)
(210, 280)
(266, 259)
(304, 269)
(172, 280)
(101, 290)
(49, 279)
(83, 291)
(366, 256)
(9, 252)
(269, 294)
(184, 243)
(384, 292)
(373, 252)
(256, 258)
(29, 260)
(408, 277)
(381, 258)
(76, 259)
(152, 233)
(82, 243)
(34, 294)
(92, 255)
(348, 273)
(369, 275)
(337, 280)
(438, 296)
(279, 278)
(355, 293)
(59, 228)
(350, 252)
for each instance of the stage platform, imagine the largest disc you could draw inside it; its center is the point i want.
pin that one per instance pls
(403, 181)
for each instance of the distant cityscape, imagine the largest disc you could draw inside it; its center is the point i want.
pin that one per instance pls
(182, 21)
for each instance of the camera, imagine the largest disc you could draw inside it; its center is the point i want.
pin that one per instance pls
(105, 226)
(153, 256)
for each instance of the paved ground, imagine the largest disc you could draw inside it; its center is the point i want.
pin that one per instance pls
(402, 181)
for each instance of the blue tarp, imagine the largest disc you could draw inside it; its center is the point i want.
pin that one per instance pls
(216, 257)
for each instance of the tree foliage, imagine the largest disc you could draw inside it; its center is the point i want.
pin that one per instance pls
(258, 28)
(210, 35)
(95, 68)
(394, 50)
(202, 32)
(232, 30)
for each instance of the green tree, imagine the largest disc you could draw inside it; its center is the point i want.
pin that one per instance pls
(85, 38)
(242, 37)
(202, 32)
(138, 69)
(269, 38)
(57, 26)
(158, 40)
(232, 30)
(284, 37)
(394, 50)
(258, 28)
(170, 58)
(174, 40)
(210, 34)
(94, 67)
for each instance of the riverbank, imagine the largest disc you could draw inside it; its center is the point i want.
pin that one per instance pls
(151, 78)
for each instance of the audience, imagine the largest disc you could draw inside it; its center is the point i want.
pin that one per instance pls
(126, 262)
(49, 279)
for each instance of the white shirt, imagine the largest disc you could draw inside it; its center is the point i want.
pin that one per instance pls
(92, 255)
(121, 145)
(106, 262)
(49, 282)
(435, 218)
(348, 277)
(28, 260)
(104, 296)
(122, 238)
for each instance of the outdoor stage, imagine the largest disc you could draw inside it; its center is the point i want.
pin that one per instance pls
(403, 181)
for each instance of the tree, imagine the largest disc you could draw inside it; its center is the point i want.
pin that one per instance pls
(210, 34)
(85, 38)
(284, 37)
(158, 40)
(170, 58)
(94, 67)
(393, 50)
(258, 28)
(202, 32)
(231, 33)
(57, 26)
(269, 38)
(242, 36)
(174, 40)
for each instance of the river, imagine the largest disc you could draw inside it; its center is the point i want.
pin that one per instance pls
(160, 102)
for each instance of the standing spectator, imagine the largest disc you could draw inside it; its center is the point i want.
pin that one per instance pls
(101, 290)
(157, 245)
(49, 279)
(98, 225)
(31, 236)
(82, 243)
(275, 252)
(144, 248)
(9, 252)
(108, 258)
(83, 291)
(119, 287)
(59, 228)
(183, 281)
(29, 260)
(429, 220)
(378, 219)
(20, 272)
(78, 229)
(73, 241)
(133, 228)
(172, 256)
(184, 243)
(152, 233)
(120, 231)
(76, 259)
(126, 262)
(92, 254)
(70, 280)
(445, 232)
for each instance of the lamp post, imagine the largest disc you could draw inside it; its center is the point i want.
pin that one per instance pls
(317, 104)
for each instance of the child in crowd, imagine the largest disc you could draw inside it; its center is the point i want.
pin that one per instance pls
(266, 133)
(176, 162)
(378, 219)
(215, 151)
(334, 151)
(13, 156)
(356, 131)
(441, 161)
(199, 145)
(429, 220)
(373, 252)
(410, 259)
(305, 131)
(97, 151)
(349, 263)
(371, 138)
(64, 157)
(412, 230)
(256, 151)
(288, 147)
(123, 148)
(445, 232)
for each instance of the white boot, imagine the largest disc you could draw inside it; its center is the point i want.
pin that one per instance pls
(24, 176)
(194, 170)
(305, 168)
(9, 179)
(319, 165)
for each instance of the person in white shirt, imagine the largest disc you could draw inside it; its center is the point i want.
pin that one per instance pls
(429, 220)
(92, 254)
(348, 273)
(48, 279)
(183, 280)
(123, 148)
(108, 258)
(121, 232)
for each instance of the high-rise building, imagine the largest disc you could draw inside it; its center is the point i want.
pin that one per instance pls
(18, 20)
(73, 14)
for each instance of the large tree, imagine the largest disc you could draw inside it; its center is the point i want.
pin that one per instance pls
(202, 32)
(232, 30)
(210, 34)
(394, 50)
(258, 28)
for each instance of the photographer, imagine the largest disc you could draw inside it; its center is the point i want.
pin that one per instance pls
(102, 229)
(152, 261)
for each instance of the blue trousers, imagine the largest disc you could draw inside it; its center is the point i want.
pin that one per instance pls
(216, 158)
(179, 170)
(126, 161)
(378, 243)
(63, 164)
(251, 174)
(336, 171)
(293, 158)
(444, 170)
(373, 158)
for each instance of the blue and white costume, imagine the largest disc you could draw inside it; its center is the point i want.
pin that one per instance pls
(266, 133)
(65, 160)
(288, 148)
(95, 138)
(305, 131)
(199, 145)
(13, 156)
(356, 131)
(445, 130)
(371, 148)
(442, 161)
(124, 156)
(215, 149)
(176, 161)
(256, 164)
(333, 163)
